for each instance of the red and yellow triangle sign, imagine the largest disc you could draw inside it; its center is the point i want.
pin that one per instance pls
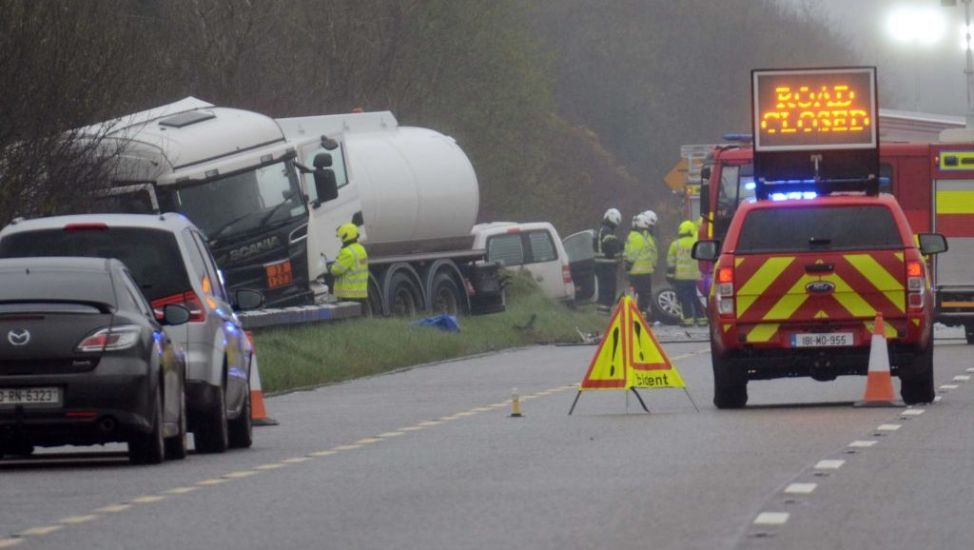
(629, 356)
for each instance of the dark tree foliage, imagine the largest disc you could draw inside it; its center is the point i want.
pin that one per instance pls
(565, 108)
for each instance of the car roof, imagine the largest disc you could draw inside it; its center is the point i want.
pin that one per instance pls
(169, 221)
(503, 226)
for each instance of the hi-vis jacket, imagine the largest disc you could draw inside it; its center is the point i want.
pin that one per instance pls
(640, 253)
(351, 271)
(678, 260)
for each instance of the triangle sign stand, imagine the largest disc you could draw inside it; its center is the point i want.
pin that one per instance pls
(629, 357)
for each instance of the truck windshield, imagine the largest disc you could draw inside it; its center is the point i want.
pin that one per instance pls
(240, 203)
(818, 228)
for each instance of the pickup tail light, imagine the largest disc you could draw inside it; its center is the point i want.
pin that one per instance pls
(914, 284)
(566, 275)
(110, 339)
(188, 299)
(724, 291)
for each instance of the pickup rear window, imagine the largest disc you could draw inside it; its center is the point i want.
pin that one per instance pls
(818, 228)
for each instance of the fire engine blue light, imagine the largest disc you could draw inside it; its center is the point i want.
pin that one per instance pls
(750, 186)
(793, 195)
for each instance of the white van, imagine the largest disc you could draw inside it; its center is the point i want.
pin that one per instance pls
(534, 247)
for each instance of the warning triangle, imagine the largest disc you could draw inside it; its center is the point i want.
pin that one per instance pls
(608, 369)
(647, 362)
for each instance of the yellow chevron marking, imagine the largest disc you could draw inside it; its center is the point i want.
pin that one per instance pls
(727, 326)
(762, 332)
(916, 322)
(869, 268)
(790, 302)
(821, 315)
(738, 261)
(760, 281)
(897, 297)
(850, 299)
(899, 256)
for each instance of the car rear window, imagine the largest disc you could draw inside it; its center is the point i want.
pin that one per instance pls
(150, 254)
(38, 285)
(818, 228)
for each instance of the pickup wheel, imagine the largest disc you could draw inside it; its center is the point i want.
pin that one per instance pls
(730, 387)
(211, 435)
(918, 386)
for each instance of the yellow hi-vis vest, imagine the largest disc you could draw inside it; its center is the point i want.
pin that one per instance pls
(678, 257)
(641, 252)
(351, 271)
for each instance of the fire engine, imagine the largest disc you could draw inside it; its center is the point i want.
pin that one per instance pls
(810, 252)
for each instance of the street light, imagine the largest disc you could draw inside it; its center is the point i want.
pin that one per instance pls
(969, 62)
(919, 26)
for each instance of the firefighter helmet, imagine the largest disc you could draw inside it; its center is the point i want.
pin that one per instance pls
(612, 216)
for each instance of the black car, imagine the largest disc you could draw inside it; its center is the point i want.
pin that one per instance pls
(83, 361)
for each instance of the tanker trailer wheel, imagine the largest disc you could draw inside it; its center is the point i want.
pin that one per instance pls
(373, 302)
(403, 295)
(445, 295)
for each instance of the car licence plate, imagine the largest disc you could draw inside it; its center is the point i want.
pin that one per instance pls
(10, 397)
(822, 339)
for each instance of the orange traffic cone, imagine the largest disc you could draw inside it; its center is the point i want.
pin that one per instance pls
(258, 412)
(879, 381)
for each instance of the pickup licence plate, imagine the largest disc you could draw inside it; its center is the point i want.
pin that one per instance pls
(822, 340)
(10, 397)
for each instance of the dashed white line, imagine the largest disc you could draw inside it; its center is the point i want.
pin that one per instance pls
(889, 427)
(391, 434)
(771, 518)
(113, 508)
(214, 481)
(296, 459)
(912, 412)
(239, 475)
(949, 387)
(269, 466)
(430, 423)
(323, 453)
(347, 447)
(411, 429)
(863, 443)
(970, 370)
(829, 464)
(10, 542)
(367, 441)
(465, 413)
(41, 531)
(75, 520)
(148, 499)
(178, 491)
(801, 488)
(938, 398)
(962, 378)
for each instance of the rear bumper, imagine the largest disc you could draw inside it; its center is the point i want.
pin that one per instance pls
(821, 363)
(97, 407)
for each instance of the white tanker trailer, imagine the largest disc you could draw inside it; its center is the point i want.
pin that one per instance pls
(245, 180)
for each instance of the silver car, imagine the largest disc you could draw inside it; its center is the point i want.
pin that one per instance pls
(170, 260)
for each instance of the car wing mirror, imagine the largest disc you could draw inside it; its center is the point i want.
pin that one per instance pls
(706, 251)
(175, 314)
(245, 299)
(932, 243)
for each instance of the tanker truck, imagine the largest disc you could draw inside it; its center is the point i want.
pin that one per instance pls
(269, 195)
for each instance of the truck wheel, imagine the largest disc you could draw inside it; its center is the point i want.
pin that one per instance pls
(149, 448)
(211, 434)
(405, 298)
(730, 387)
(241, 428)
(445, 295)
(667, 306)
(917, 387)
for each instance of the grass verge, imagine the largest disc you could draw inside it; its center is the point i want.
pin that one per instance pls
(325, 353)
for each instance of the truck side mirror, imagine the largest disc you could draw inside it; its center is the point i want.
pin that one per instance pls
(326, 186)
(932, 243)
(706, 251)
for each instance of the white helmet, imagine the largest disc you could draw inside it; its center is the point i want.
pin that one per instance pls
(650, 218)
(640, 221)
(612, 216)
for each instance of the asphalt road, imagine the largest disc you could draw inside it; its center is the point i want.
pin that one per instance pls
(429, 458)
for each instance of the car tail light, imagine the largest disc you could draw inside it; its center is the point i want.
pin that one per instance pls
(724, 291)
(86, 227)
(914, 284)
(110, 339)
(188, 299)
(566, 275)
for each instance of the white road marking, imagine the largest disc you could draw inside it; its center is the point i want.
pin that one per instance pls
(240, 474)
(391, 434)
(466, 413)
(970, 370)
(829, 464)
(367, 441)
(801, 488)
(347, 447)
(912, 412)
(962, 378)
(771, 518)
(938, 398)
(481, 409)
(430, 423)
(949, 387)
(411, 428)
(296, 460)
(10, 542)
(269, 466)
(214, 481)
(114, 508)
(178, 491)
(147, 499)
(41, 531)
(74, 520)
(861, 443)
(323, 453)
(889, 427)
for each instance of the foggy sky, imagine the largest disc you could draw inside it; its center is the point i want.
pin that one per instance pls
(912, 77)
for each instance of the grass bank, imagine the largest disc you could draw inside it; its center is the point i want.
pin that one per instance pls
(312, 355)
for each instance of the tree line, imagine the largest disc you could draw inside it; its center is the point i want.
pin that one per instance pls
(566, 108)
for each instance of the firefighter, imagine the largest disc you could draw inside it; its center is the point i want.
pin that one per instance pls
(640, 257)
(607, 249)
(351, 268)
(682, 272)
